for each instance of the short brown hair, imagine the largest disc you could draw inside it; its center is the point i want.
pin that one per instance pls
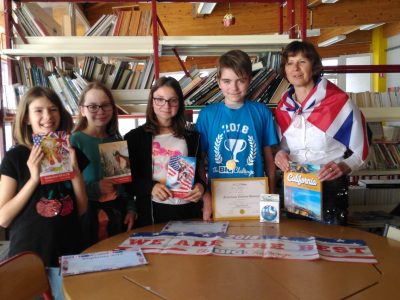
(112, 126)
(308, 50)
(178, 121)
(236, 60)
(23, 131)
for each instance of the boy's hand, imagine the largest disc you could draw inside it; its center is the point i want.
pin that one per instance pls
(282, 160)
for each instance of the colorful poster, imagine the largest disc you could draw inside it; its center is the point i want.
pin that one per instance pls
(180, 175)
(56, 164)
(303, 191)
(282, 247)
(115, 160)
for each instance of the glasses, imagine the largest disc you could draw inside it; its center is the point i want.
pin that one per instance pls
(172, 102)
(95, 108)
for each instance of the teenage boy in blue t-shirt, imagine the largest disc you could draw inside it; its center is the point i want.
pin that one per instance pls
(236, 134)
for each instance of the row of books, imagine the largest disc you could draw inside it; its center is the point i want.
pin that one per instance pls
(33, 71)
(270, 60)
(388, 132)
(266, 87)
(369, 196)
(33, 20)
(383, 156)
(122, 74)
(376, 99)
(126, 22)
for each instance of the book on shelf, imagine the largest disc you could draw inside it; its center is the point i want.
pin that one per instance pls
(13, 95)
(391, 132)
(114, 158)
(104, 26)
(56, 163)
(379, 183)
(180, 175)
(376, 130)
(35, 21)
(303, 191)
(125, 21)
(280, 90)
(375, 99)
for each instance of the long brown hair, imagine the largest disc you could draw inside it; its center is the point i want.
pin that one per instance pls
(82, 123)
(178, 122)
(23, 131)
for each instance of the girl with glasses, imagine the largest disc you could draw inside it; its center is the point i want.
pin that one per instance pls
(164, 135)
(110, 209)
(41, 218)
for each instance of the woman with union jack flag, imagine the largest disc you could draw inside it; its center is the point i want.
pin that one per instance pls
(319, 124)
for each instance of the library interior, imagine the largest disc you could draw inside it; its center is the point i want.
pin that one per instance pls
(127, 46)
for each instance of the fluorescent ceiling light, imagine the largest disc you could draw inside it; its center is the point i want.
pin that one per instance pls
(313, 32)
(370, 26)
(329, 1)
(206, 8)
(333, 40)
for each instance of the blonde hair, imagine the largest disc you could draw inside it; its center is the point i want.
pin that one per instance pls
(82, 123)
(23, 131)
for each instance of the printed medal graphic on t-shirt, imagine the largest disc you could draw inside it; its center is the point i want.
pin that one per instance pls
(236, 144)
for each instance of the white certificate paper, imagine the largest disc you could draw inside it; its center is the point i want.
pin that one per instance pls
(198, 227)
(101, 261)
(237, 198)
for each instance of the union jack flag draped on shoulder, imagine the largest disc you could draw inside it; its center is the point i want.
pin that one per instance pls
(330, 109)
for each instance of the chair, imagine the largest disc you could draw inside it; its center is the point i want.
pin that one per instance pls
(392, 232)
(23, 276)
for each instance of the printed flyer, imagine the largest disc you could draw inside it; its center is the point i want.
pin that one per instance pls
(56, 164)
(101, 261)
(115, 161)
(180, 175)
(303, 191)
(301, 248)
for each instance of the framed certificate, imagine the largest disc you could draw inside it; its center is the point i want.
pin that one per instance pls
(237, 198)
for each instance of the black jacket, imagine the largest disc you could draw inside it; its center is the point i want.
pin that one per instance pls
(140, 155)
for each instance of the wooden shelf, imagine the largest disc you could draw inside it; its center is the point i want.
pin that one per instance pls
(375, 172)
(84, 46)
(131, 96)
(143, 45)
(217, 45)
(381, 114)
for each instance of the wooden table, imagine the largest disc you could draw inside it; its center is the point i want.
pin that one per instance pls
(214, 277)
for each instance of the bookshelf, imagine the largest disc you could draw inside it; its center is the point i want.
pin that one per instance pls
(126, 46)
